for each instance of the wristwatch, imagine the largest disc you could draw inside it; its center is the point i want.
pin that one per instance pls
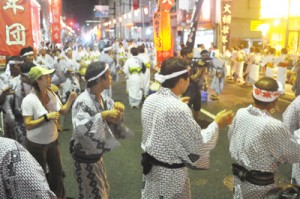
(46, 118)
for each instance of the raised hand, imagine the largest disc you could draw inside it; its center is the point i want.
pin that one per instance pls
(224, 118)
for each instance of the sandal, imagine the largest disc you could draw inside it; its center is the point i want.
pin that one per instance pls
(214, 97)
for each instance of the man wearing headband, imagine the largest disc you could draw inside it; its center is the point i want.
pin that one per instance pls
(14, 122)
(12, 68)
(27, 54)
(97, 123)
(106, 56)
(69, 66)
(44, 59)
(259, 143)
(172, 140)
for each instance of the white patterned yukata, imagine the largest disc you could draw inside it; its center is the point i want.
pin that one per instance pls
(12, 108)
(71, 82)
(291, 117)
(92, 138)
(171, 135)
(259, 142)
(21, 176)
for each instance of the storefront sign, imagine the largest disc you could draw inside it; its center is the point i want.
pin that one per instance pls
(101, 11)
(55, 26)
(15, 26)
(225, 21)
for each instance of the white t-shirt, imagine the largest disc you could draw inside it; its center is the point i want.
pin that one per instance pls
(32, 106)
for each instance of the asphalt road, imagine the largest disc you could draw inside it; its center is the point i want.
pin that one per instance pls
(123, 164)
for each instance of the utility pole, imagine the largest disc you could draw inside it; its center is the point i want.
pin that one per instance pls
(115, 24)
(194, 24)
(143, 19)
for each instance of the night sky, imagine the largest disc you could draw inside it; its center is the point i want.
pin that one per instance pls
(79, 10)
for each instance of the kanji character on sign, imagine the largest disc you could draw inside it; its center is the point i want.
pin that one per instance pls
(226, 19)
(12, 4)
(15, 34)
(227, 9)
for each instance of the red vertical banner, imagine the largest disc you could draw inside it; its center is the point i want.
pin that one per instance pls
(136, 4)
(15, 26)
(162, 32)
(225, 21)
(35, 18)
(162, 35)
(55, 26)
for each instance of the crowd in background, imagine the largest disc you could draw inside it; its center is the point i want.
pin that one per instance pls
(41, 84)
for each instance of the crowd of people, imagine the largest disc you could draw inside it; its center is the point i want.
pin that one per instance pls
(37, 88)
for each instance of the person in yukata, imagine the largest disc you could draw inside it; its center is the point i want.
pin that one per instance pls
(217, 83)
(21, 85)
(21, 175)
(97, 123)
(133, 69)
(258, 143)
(172, 140)
(291, 117)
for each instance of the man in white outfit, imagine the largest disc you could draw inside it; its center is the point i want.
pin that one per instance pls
(134, 82)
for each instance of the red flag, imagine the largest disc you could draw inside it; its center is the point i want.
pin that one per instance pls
(136, 4)
(55, 27)
(15, 26)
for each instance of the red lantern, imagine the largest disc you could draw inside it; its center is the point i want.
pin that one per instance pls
(135, 4)
(165, 5)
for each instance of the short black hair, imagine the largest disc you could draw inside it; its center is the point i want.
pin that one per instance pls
(185, 50)
(93, 70)
(26, 66)
(173, 65)
(134, 51)
(204, 52)
(26, 50)
(141, 48)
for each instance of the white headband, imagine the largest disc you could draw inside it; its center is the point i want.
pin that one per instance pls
(28, 53)
(107, 49)
(68, 49)
(15, 62)
(162, 78)
(44, 48)
(267, 96)
(96, 77)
